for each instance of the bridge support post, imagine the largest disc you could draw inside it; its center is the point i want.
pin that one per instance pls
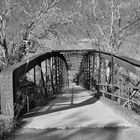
(55, 74)
(51, 73)
(42, 79)
(59, 74)
(83, 67)
(89, 72)
(93, 70)
(86, 72)
(99, 75)
(6, 99)
(35, 90)
(46, 76)
(112, 76)
(6, 95)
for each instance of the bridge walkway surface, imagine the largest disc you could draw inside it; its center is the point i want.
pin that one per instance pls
(76, 115)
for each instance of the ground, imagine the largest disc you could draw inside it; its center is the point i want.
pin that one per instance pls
(77, 115)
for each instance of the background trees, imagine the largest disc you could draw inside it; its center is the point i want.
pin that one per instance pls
(110, 25)
(24, 23)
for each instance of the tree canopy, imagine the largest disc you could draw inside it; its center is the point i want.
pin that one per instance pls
(110, 25)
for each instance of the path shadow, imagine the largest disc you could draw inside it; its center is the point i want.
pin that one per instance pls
(48, 111)
(91, 100)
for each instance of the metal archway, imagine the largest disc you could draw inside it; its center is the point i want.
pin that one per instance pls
(9, 78)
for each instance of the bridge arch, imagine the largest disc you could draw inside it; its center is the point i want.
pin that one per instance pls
(9, 77)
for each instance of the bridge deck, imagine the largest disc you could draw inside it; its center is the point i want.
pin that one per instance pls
(76, 115)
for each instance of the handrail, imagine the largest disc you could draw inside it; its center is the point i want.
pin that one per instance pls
(118, 96)
(98, 74)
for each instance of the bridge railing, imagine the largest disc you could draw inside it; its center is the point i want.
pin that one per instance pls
(25, 84)
(114, 77)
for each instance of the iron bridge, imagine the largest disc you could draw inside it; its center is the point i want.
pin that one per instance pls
(27, 84)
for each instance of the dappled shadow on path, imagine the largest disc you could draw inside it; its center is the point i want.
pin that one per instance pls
(63, 105)
(72, 131)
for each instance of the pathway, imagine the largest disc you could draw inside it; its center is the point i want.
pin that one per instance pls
(76, 115)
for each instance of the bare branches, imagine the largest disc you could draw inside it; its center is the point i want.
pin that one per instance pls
(99, 20)
(128, 25)
(94, 7)
(31, 19)
(112, 18)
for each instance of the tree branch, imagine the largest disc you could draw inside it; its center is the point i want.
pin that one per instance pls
(129, 25)
(112, 18)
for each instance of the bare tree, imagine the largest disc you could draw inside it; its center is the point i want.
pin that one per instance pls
(117, 28)
(33, 24)
(109, 22)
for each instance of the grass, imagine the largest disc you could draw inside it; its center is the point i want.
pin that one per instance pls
(128, 114)
(6, 126)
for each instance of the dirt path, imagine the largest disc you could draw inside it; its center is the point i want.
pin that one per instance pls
(77, 115)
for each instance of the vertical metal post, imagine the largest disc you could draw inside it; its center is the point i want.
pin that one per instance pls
(63, 74)
(99, 76)
(42, 79)
(35, 84)
(46, 71)
(83, 71)
(87, 78)
(104, 77)
(56, 75)
(34, 75)
(112, 76)
(86, 65)
(52, 70)
(59, 74)
(60, 71)
(27, 99)
(67, 77)
(51, 73)
(93, 70)
(46, 77)
(89, 69)
(119, 99)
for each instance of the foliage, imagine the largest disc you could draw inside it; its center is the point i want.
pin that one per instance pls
(23, 23)
(107, 24)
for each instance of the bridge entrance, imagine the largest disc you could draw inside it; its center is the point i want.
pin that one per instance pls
(33, 81)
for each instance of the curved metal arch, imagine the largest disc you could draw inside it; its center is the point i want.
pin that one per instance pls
(130, 64)
(9, 77)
